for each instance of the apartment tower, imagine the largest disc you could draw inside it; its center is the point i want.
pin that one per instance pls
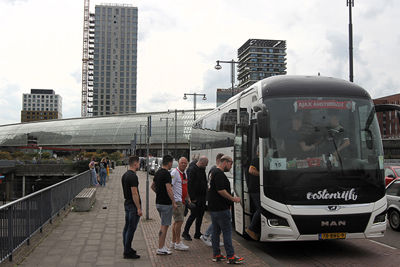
(260, 59)
(115, 59)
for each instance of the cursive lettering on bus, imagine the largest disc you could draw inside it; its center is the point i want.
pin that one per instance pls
(325, 194)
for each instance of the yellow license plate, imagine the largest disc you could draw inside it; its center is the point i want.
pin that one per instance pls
(327, 236)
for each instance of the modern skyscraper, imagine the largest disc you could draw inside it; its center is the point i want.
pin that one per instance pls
(41, 104)
(260, 59)
(115, 59)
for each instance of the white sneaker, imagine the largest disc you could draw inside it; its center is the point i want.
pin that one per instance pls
(206, 240)
(181, 246)
(171, 245)
(163, 251)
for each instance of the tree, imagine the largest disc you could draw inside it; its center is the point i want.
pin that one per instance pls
(5, 155)
(18, 155)
(115, 156)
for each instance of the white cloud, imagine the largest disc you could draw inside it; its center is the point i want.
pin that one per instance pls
(179, 42)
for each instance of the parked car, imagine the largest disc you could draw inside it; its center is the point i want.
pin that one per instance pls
(391, 173)
(155, 164)
(393, 202)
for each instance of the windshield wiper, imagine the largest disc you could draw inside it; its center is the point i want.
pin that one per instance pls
(331, 134)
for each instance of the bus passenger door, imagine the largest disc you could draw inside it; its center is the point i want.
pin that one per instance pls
(238, 174)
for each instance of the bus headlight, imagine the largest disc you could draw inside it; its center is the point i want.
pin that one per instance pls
(380, 218)
(277, 222)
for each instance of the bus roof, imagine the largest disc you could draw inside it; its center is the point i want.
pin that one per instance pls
(291, 85)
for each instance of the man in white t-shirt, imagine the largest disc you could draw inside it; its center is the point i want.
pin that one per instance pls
(179, 188)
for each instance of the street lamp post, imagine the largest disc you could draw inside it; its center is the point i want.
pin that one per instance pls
(176, 130)
(350, 4)
(232, 62)
(140, 130)
(166, 132)
(195, 95)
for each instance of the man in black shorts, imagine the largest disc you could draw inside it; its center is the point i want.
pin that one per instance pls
(133, 210)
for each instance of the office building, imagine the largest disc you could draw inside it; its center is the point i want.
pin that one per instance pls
(115, 60)
(260, 59)
(41, 104)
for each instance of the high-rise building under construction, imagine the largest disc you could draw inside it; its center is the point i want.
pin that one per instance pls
(112, 70)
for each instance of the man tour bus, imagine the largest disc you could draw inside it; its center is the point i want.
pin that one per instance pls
(320, 157)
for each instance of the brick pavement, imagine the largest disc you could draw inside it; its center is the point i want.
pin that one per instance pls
(94, 238)
(198, 255)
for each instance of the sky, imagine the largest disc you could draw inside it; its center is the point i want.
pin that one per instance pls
(180, 40)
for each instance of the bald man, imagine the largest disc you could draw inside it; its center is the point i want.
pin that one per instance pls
(197, 189)
(179, 188)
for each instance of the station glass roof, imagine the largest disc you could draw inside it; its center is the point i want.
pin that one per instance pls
(107, 130)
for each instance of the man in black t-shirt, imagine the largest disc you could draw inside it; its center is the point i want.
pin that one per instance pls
(220, 201)
(133, 210)
(197, 190)
(165, 201)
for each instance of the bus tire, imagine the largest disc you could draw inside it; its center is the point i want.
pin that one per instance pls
(394, 219)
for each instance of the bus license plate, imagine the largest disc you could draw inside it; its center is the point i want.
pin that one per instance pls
(327, 236)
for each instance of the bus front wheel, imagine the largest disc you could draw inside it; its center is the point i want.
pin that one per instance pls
(394, 220)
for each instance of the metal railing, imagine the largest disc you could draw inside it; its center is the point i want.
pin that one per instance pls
(22, 218)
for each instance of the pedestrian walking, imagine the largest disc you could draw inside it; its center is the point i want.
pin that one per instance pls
(165, 201)
(179, 188)
(132, 204)
(92, 167)
(206, 238)
(108, 167)
(220, 201)
(103, 171)
(197, 189)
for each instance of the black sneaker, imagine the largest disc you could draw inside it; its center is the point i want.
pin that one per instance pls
(197, 236)
(186, 236)
(131, 256)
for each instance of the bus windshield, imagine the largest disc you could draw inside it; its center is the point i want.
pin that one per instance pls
(322, 150)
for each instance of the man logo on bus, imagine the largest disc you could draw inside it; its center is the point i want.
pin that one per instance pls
(333, 223)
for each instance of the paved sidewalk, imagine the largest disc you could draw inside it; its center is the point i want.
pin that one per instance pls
(198, 255)
(91, 238)
(94, 238)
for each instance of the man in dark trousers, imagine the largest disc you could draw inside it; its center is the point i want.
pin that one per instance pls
(133, 209)
(197, 189)
(220, 201)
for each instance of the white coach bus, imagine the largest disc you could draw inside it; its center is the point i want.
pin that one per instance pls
(319, 189)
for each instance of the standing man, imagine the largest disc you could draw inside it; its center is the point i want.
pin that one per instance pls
(179, 188)
(165, 201)
(133, 209)
(206, 238)
(197, 189)
(220, 201)
(254, 229)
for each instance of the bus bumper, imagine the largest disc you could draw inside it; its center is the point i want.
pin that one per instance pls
(374, 227)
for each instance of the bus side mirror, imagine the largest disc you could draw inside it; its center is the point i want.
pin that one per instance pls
(263, 126)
